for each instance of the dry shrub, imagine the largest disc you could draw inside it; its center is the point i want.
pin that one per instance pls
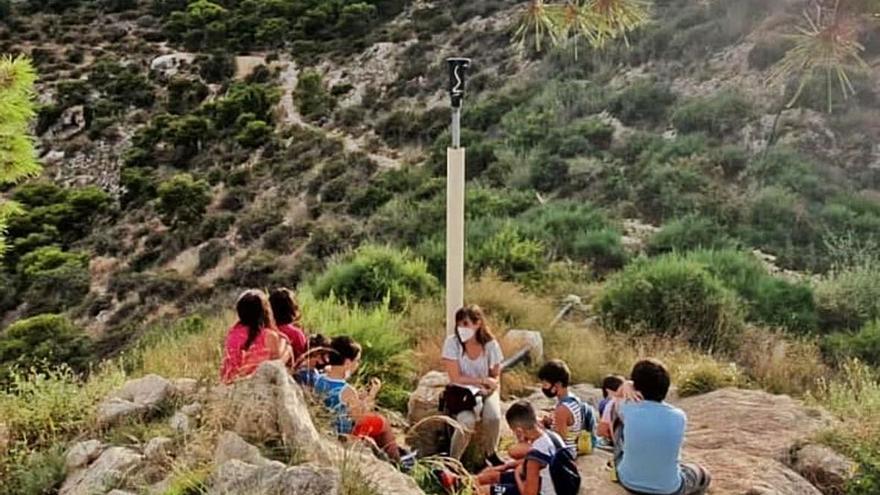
(517, 383)
(705, 376)
(779, 364)
(507, 305)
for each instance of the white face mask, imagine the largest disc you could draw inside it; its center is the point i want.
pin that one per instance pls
(347, 374)
(465, 333)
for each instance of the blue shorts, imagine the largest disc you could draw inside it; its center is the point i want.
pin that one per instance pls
(506, 485)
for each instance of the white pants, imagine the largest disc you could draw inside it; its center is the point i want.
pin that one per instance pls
(490, 426)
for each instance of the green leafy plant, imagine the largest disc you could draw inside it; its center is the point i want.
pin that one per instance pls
(183, 200)
(44, 340)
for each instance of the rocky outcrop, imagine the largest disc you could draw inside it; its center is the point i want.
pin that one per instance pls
(135, 399)
(239, 477)
(102, 475)
(824, 468)
(82, 453)
(270, 406)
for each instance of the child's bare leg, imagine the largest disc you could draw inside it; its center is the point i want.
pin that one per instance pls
(488, 476)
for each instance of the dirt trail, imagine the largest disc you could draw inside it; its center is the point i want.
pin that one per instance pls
(291, 116)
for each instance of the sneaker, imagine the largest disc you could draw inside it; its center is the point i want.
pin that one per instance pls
(408, 460)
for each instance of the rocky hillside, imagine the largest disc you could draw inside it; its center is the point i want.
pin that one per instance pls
(685, 191)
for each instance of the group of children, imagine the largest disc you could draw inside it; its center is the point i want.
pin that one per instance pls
(644, 432)
(269, 328)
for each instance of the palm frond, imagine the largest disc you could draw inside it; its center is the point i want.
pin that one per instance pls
(535, 21)
(821, 44)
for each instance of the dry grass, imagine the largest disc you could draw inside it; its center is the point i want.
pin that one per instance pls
(191, 355)
(780, 364)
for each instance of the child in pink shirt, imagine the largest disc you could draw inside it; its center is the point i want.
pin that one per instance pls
(252, 340)
(287, 318)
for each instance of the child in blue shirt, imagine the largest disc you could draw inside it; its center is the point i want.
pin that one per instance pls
(648, 436)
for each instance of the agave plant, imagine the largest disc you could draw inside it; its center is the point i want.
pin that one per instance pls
(595, 21)
(825, 44)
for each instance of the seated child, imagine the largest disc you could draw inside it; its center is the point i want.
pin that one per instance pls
(611, 395)
(313, 361)
(532, 475)
(353, 410)
(647, 445)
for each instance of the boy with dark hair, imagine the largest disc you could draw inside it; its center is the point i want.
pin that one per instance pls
(572, 419)
(313, 362)
(649, 436)
(532, 477)
(611, 396)
(610, 385)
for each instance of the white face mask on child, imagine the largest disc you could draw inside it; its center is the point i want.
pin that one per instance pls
(465, 333)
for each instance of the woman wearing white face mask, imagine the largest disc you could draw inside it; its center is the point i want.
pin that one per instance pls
(472, 359)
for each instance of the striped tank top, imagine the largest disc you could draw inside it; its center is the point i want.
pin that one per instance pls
(583, 420)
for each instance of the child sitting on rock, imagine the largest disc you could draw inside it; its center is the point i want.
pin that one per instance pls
(532, 475)
(649, 436)
(353, 409)
(313, 361)
(612, 386)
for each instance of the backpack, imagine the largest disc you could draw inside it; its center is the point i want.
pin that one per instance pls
(563, 470)
(586, 438)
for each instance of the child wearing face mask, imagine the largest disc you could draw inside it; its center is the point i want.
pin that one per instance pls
(353, 409)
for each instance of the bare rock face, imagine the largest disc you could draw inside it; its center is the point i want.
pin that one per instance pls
(824, 468)
(528, 339)
(270, 406)
(82, 453)
(239, 477)
(113, 465)
(232, 447)
(135, 398)
(158, 449)
(71, 122)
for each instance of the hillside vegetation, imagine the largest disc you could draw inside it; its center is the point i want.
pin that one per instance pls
(708, 200)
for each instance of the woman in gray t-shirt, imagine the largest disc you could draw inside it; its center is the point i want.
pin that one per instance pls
(472, 358)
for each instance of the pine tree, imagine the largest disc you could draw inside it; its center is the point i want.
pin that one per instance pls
(18, 158)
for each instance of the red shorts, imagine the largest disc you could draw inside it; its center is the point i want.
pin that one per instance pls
(371, 425)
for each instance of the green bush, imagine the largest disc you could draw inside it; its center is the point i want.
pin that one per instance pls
(211, 253)
(575, 230)
(53, 280)
(183, 200)
(311, 96)
(41, 341)
(216, 67)
(372, 274)
(849, 298)
(718, 115)
(255, 134)
(688, 233)
(258, 221)
(644, 102)
(770, 300)
(703, 378)
(505, 250)
(863, 345)
(256, 270)
(386, 352)
(674, 297)
(548, 172)
(39, 472)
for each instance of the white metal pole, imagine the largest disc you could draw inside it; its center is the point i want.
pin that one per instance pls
(455, 178)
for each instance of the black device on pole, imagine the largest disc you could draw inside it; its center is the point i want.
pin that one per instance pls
(457, 71)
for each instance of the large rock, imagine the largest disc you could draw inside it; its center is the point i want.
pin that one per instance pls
(526, 339)
(270, 406)
(113, 465)
(168, 66)
(426, 433)
(232, 447)
(82, 453)
(135, 399)
(235, 476)
(824, 468)
(158, 449)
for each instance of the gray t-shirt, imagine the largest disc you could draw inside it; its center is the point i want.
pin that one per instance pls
(473, 368)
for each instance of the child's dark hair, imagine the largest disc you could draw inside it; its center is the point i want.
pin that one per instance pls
(521, 415)
(650, 377)
(555, 371)
(343, 348)
(611, 383)
(254, 313)
(284, 306)
(318, 340)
